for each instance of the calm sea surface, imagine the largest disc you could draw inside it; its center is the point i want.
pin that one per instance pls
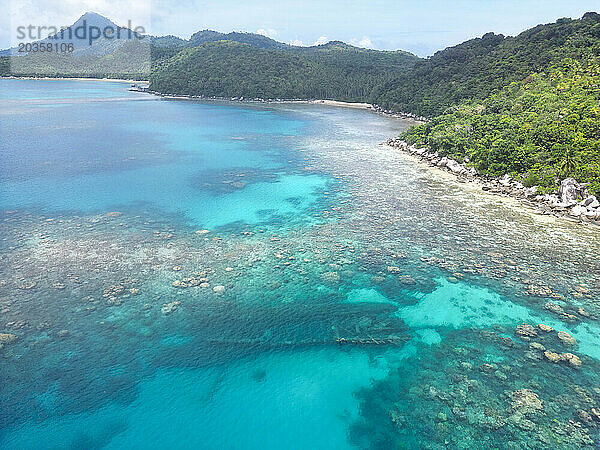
(179, 274)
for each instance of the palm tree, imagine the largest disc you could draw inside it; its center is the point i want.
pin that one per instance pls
(568, 162)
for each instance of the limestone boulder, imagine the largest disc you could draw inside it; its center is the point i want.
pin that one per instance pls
(570, 191)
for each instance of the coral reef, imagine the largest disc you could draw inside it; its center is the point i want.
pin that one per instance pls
(477, 389)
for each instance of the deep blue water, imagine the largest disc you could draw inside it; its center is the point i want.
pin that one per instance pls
(313, 233)
(95, 156)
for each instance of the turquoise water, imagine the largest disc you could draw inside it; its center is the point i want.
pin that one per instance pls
(179, 274)
(174, 157)
(61, 90)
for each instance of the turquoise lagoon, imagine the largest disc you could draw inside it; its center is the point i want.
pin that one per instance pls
(184, 274)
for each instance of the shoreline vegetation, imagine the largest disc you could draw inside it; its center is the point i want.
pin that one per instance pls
(336, 103)
(572, 201)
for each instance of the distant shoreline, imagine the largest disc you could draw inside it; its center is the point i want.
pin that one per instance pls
(337, 103)
(342, 104)
(117, 80)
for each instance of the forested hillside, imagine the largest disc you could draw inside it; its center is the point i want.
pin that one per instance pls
(393, 80)
(255, 40)
(532, 109)
(541, 130)
(476, 68)
(232, 69)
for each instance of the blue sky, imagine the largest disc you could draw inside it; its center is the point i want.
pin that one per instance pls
(421, 27)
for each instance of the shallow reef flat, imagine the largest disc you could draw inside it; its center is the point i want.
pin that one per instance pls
(494, 392)
(391, 306)
(99, 303)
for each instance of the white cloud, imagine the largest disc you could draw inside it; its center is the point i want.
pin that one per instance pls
(268, 32)
(297, 43)
(322, 40)
(365, 42)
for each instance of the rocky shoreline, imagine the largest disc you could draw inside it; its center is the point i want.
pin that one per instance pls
(572, 201)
